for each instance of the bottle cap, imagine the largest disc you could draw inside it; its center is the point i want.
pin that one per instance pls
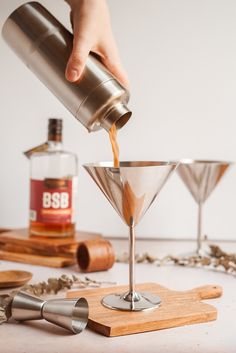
(54, 129)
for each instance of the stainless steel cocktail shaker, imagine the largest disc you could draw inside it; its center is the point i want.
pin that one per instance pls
(44, 45)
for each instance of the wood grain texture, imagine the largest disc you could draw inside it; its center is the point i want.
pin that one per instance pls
(17, 245)
(177, 309)
(95, 255)
(42, 245)
(3, 230)
(24, 249)
(49, 261)
(14, 278)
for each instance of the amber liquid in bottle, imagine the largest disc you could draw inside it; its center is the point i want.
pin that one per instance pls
(57, 230)
(53, 188)
(53, 199)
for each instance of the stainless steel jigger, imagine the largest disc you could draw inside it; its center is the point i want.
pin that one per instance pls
(71, 314)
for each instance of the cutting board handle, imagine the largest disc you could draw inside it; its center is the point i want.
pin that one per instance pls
(208, 291)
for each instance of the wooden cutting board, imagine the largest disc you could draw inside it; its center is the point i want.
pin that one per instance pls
(21, 240)
(177, 309)
(17, 245)
(3, 230)
(40, 260)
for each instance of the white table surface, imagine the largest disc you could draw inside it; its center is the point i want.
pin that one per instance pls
(214, 337)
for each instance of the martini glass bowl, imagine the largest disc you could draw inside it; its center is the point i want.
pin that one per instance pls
(131, 189)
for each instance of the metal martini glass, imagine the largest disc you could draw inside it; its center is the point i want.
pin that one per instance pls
(131, 189)
(201, 178)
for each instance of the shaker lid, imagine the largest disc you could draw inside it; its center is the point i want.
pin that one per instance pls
(119, 114)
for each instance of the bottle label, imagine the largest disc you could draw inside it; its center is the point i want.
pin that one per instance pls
(51, 200)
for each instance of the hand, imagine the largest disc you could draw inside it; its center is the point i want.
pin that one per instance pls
(92, 32)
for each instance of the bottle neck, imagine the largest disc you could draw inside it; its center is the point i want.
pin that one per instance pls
(54, 145)
(54, 137)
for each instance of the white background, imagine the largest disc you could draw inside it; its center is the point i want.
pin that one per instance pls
(180, 57)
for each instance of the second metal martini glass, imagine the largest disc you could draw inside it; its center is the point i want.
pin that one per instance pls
(201, 178)
(131, 189)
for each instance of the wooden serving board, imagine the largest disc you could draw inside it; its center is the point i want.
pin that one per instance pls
(17, 245)
(14, 278)
(40, 260)
(4, 230)
(21, 240)
(177, 309)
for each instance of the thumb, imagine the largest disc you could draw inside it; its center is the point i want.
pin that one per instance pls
(77, 59)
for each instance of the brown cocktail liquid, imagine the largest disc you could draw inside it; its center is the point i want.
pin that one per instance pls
(114, 145)
(131, 204)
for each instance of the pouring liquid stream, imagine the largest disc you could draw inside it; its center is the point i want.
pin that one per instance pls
(131, 204)
(114, 145)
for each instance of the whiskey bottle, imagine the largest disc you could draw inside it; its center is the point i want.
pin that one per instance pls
(53, 187)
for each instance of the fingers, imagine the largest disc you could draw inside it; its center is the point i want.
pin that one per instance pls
(78, 57)
(110, 58)
(92, 32)
(114, 66)
(77, 60)
(82, 23)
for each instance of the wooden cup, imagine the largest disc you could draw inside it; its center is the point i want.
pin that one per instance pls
(95, 255)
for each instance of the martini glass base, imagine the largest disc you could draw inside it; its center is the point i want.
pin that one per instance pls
(146, 301)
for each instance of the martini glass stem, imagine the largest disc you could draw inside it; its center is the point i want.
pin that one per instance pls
(199, 231)
(131, 260)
